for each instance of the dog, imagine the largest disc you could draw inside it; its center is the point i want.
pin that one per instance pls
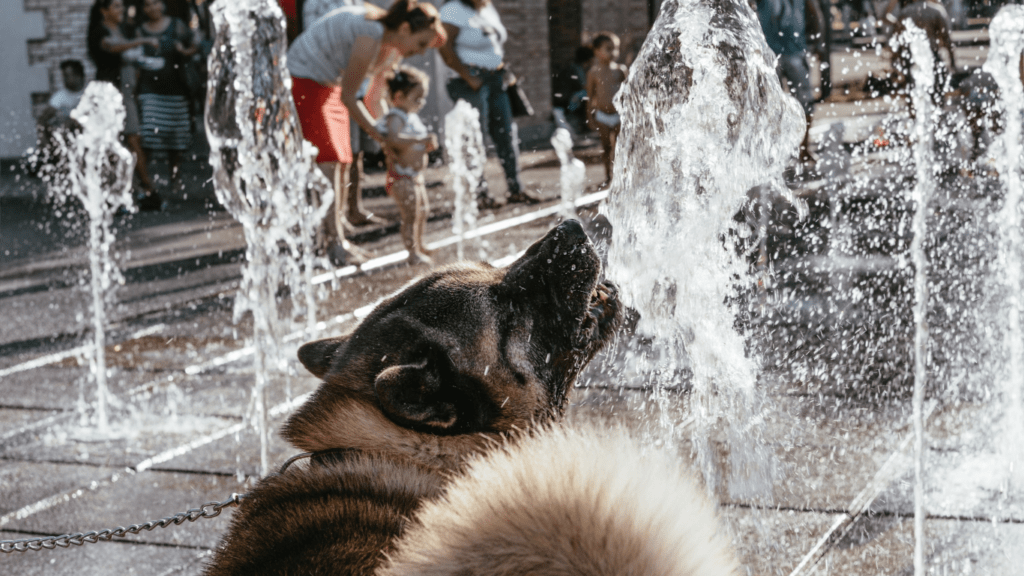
(437, 373)
(567, 501)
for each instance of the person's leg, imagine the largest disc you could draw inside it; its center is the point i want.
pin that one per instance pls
(613, 141)
(422, 211)
(403, 190)
(458, 89)
(606, 152)
(335, 223)
(499, 125)
(354, 208)
(174, 160)
(134, 143)
(794, 68)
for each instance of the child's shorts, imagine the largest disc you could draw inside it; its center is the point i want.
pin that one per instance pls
(609, 120)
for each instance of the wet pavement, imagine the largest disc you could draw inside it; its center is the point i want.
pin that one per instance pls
(180, 373)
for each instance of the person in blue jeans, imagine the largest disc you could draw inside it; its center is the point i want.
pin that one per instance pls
(787, 26)
(475, 51)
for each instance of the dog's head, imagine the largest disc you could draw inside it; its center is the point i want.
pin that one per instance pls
(473, 348)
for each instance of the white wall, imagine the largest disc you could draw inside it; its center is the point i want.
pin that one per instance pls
(17, 127)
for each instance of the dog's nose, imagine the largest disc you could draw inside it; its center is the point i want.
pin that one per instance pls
(571, 230)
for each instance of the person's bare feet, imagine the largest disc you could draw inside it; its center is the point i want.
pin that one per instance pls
(416, 258)
(346, 253)
(364, 219)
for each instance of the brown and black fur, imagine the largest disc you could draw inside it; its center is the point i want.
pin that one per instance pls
(434, 375)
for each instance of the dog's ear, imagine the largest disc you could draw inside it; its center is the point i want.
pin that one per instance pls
(413, 395)
(317, 356)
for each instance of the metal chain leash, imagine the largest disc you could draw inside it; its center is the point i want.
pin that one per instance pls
(208, 510)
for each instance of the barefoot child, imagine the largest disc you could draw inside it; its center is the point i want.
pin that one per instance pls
(409, 141)
(603, 81)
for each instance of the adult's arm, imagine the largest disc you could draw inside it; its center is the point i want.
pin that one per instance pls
(376, 99)
(452, 59)
(364, 52)
(108, 44)
(185, 43)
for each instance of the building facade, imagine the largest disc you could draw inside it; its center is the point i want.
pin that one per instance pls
(36, 35)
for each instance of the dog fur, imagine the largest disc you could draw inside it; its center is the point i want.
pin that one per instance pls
(566, 502)
(467, 361)
(434, 375)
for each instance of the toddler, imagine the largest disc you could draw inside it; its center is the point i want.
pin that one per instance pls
(603, 80)
(409, 141)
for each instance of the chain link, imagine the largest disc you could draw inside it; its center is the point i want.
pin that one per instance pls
(208, 510)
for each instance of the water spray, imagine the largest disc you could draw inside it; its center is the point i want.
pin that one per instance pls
(922, 72)
(100, 176)
(1007, 44)
(704, 119)
(572, 173)
(464, 145)
(264, 174)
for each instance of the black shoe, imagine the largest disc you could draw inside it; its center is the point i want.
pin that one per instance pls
(341, 256)
(148, 200)
(522, 197)
(485, 202)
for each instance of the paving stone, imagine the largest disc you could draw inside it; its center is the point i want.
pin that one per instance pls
(103, 558)
(23, 483)
(139, 498)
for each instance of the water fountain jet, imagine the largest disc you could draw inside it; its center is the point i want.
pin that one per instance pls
(571, 174)
(1007, 45)
(464, 145)
(264, 174)
(100, 176)
(924, 121)
(704, 119)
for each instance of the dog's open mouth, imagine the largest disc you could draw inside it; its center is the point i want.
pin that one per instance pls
(602, 316)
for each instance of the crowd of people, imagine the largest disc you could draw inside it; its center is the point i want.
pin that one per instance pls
(350, 88)
(157, 61)
(353, 94)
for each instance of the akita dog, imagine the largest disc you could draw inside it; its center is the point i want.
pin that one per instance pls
(446, 369)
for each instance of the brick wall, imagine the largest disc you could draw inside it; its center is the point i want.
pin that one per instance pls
(626, 18)
(565, 29)
(66, 24)
(527, 52)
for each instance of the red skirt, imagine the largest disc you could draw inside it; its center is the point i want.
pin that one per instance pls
(324, 119)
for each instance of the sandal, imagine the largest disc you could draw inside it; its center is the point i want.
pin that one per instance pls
(523, 197)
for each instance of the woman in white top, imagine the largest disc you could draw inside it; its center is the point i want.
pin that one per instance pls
(475, 50)
(329, 61)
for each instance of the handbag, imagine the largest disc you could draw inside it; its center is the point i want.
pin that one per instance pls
(520, 104)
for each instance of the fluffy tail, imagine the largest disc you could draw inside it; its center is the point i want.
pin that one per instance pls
(568, 502)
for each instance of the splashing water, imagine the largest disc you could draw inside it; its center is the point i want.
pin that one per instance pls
(100, 176)
(704, 115)
(464, 145)
(264, 174)
(922, 72)
(1007, 44)
(572, 174)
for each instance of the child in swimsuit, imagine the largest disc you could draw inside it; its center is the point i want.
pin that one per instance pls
(409, 141)
(603, 82)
